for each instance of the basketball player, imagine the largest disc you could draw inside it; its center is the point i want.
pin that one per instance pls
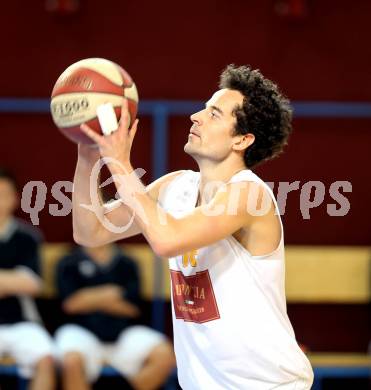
(220, 229)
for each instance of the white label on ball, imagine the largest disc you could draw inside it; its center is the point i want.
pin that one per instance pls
(107, 118)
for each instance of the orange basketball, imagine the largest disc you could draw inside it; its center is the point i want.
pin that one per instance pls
(84, 86)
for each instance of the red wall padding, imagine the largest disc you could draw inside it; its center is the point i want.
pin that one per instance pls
(176, 51)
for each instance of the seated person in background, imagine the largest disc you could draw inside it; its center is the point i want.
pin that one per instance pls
(99, 288)
(21, 335)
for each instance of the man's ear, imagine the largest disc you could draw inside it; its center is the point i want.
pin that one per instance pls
(243, 141)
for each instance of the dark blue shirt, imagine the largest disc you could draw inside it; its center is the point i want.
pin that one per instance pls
(78, 270)
(19, 248)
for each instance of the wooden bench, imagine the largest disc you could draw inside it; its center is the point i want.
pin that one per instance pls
(309, 272)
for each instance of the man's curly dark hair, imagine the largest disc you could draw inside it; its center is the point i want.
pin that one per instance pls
(265, 113)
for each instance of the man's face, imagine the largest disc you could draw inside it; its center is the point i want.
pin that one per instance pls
(8, 198)
(211, 135)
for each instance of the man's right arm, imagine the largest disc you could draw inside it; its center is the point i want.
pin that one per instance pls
(87, 227)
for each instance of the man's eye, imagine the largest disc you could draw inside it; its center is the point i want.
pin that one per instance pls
(213, 115)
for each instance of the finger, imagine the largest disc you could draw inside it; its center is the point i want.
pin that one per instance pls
(124, 114)
(134, 129)
(91, 133)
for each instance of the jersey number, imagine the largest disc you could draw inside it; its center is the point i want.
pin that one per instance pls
(190, 258)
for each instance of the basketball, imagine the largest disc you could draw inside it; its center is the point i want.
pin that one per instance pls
(82, 88)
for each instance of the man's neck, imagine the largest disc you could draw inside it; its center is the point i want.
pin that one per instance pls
(213, 175)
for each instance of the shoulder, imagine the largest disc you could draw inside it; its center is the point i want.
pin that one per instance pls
(251, 188)
(156, 187)
(171, 176)
(249, 198)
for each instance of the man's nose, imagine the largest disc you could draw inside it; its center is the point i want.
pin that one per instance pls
(196, 118)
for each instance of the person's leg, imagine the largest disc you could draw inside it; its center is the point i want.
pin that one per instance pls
(44, 375)
(32, 348)
(80, 354)
(156, 368)
(144, 357)
(73, 372)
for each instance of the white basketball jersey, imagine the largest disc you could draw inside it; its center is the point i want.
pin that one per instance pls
(231, 329)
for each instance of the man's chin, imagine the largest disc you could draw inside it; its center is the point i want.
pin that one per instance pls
(192, 149)
(188, 148)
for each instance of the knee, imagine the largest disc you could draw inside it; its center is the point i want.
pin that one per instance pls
(164, 354)
(46, 363)
(73, 362)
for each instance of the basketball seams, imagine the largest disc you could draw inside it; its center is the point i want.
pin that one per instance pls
(85, 80)
(107, 68)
